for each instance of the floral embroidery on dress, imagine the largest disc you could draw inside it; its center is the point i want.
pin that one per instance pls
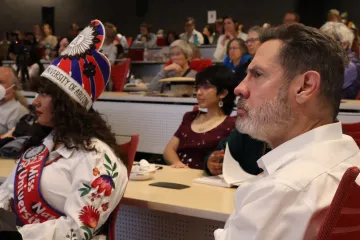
(102, 185)
(89, 216)
(96, 172)
(105, 206)
(71, 235)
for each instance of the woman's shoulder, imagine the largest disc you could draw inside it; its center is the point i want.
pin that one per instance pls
(102, 153)
(190, 116)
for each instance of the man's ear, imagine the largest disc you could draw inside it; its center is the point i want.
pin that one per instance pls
(307, 85)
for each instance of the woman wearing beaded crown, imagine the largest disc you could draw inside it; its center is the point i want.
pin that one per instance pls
(67, 183)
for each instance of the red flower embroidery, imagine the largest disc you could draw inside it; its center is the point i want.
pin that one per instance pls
(89, 216)
(105, 183)
(105, 206)
(96, 172)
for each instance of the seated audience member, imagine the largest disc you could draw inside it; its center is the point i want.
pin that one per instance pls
(72, 33)
(196, 54)
(291, 17)
(62, 45)
(200, 132)
(242, 35)
(341, 33)
(11, 144)
(236, 54)
(164, 53)
(180, 55)
(190, 34)
(219, 30)
(243, 148)
(266, 25)
(171, 37)
(334, 16)
(12, 103)
(49, 40)
(290, 101)
(160, 33)
(108, 48)
(145, 38)
(231, 32)
(253, 43)
(121, 40)
(71, 159)
(208, 34)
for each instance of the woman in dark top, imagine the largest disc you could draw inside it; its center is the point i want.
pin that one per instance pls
(200, 132)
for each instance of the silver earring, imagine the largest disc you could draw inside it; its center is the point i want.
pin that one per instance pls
(221, 103)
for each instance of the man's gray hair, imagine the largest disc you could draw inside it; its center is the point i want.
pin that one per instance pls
(184, 46)
(339, 32)
(259, 30)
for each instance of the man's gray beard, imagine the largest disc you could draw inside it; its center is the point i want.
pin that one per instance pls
(270, 119)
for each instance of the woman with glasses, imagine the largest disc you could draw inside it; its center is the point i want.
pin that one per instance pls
(253, 41)
(180, 55)
(200, 132)
(236, 54)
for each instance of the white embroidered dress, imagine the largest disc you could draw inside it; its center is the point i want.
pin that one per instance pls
(85, 186)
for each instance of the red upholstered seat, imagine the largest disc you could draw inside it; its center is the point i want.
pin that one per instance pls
(130, 148)
(160, 42)
(118, 75)
(200, 64)
(353, 130)
(341, 220)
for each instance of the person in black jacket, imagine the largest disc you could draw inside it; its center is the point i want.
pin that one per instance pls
(244, 149)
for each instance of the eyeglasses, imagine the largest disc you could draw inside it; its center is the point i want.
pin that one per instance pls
(251, 40)
(234, 48)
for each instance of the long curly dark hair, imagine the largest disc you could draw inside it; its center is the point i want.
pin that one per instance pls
(74, 126)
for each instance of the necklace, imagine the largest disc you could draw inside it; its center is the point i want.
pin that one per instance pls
(206, 123)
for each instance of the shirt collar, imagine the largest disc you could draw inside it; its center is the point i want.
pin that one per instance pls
(192, 33)
(286, 152)
(62, 150)
(65, 152)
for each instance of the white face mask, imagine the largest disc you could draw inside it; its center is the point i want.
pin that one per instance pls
(3, 91)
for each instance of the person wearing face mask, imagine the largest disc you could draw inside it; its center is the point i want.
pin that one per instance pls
(180, 55)
(12, 104)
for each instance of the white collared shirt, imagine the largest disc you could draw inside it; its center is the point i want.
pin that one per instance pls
(300, 177)
(64, 186)
(186, 38)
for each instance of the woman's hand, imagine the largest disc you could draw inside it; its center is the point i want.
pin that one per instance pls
(175, 67)
(179, 165)
(227, 36)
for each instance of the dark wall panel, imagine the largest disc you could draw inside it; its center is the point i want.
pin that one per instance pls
(165, 14)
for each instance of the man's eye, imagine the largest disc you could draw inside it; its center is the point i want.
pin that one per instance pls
(257, 74)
